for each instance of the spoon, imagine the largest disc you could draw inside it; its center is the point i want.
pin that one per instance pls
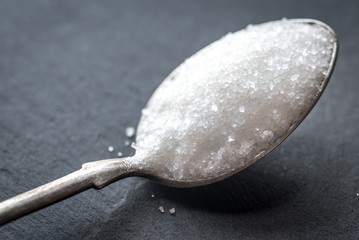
(251, 89)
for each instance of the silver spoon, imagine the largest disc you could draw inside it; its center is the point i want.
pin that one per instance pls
(99, 174)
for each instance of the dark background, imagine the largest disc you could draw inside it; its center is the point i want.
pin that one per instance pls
(75, 74)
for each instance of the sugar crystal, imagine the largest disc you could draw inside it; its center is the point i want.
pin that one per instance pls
(172, 211)
(130, 132)
(162, 210)
(110, 148)
(214, 108)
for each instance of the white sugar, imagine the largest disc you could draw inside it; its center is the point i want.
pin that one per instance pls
(233, 100)
(127, 143)
(172, 211)
(119, 154)
(162, 210)
(110, 148)
(214, 108)
(130, 132)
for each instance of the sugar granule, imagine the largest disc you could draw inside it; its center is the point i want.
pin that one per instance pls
(233, 100)
(119, 154)
(130, 132)
(127, 143)
(110, 148)
(172, 211)
(162, 210)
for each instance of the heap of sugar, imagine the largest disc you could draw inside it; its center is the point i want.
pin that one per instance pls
(229, 103)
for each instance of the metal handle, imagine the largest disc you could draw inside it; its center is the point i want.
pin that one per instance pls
(92, 175)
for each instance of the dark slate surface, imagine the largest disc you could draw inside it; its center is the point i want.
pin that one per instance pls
(74, 74)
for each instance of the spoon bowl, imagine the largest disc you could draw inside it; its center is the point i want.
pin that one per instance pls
(154, 170)
(189, 133)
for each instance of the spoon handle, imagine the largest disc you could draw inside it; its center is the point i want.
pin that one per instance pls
(92, 175)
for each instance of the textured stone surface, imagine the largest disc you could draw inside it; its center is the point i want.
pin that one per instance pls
(74, 75)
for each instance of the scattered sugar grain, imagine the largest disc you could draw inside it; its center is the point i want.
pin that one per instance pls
(152, 195)
(127, 143)
(162, 210)
(130, 132)
(110, 148)
(119, 154)
(172, 211)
